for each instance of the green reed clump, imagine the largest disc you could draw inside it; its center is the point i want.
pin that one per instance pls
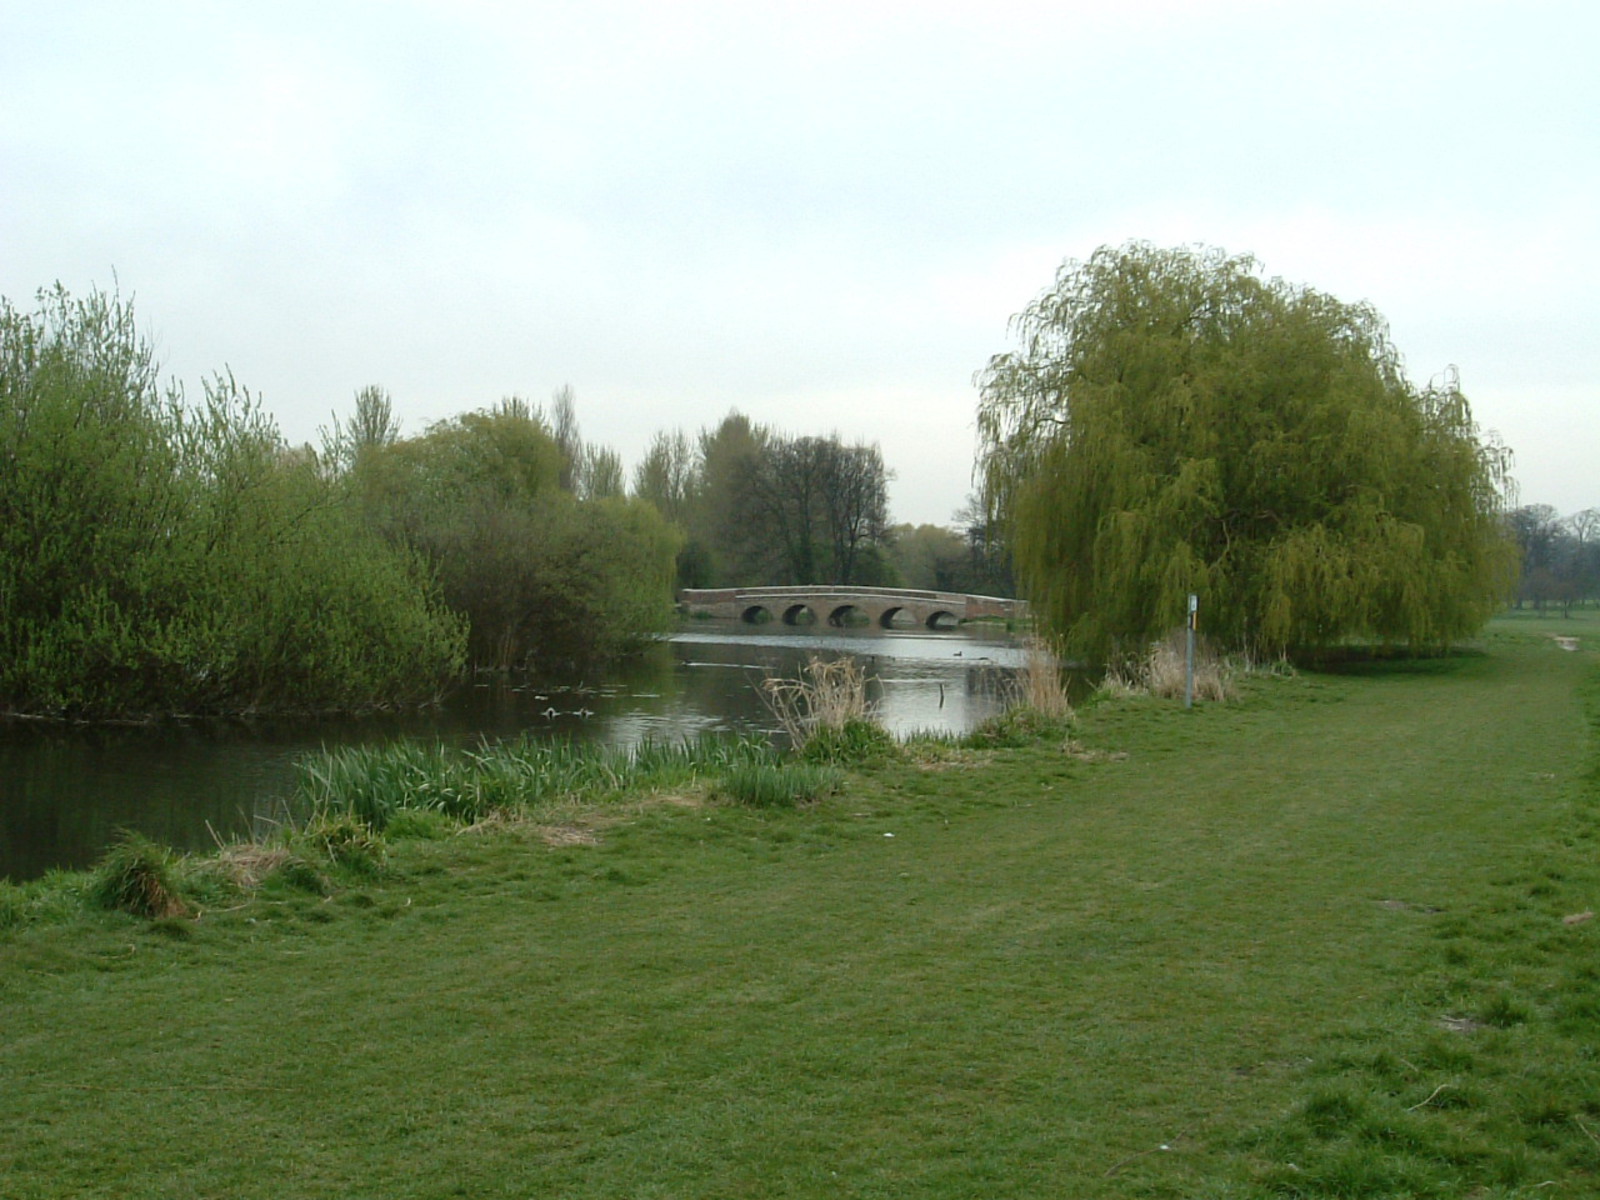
(856, 742)
(346, 841)
(786, 785)
(13, 905)
(376, 783)
(1020, 725)
(139, 877)
(298, 874)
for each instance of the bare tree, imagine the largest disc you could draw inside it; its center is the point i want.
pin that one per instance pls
(564, 428)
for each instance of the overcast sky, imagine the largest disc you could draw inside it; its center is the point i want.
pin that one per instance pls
(820, 214)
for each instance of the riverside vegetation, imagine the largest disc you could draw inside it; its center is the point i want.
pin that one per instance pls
(161, 556)
(1331, 937)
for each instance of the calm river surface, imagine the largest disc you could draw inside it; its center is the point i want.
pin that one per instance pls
(66, 792)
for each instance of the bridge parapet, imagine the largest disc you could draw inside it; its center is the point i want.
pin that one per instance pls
(834, 604)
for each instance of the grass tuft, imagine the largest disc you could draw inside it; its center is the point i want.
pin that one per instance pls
(346, 841)
(13, 905)
(787, 785)
(137, 876)
(1040, 684)
(855, 743)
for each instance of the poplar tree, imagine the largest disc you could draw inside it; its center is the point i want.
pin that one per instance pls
(1175, 423)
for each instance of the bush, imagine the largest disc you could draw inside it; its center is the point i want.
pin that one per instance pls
(139, 877)
(158, 556)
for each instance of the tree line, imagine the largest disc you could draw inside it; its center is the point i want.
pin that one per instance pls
(1172, 424)
(757, 506)
(1558, 557)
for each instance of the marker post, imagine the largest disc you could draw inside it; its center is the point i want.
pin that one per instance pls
(1188, 661)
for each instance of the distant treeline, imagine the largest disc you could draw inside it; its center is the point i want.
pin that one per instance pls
(1560, 556)
(756, 506)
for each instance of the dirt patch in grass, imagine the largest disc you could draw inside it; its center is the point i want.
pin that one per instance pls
(1407, 906)
(1078, 752)
(567, 835)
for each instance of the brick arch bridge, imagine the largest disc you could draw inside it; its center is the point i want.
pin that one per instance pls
(838, 604)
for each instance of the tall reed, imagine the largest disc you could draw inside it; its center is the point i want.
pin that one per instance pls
(1039, 684)
(1163, 671)
(829, 694)
(373, 783)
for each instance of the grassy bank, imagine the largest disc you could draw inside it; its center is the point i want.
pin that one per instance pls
(1314, 942)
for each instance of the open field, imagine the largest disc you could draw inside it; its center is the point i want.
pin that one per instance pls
(1327, 940)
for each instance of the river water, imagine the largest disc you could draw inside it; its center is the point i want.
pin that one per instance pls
(65, 793)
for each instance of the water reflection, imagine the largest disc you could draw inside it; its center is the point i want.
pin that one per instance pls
(65, 793)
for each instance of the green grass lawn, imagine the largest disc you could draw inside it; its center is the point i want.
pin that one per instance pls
(1314, 942)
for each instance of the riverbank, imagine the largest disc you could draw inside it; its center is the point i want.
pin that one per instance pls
(1327, 939)
(65, 794)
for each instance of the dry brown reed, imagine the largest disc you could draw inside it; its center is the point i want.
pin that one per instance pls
(1162, 671)
(829, 694)
(246, 864)
(1038, 682)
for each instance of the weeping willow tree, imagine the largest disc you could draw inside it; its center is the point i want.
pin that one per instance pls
(1173, 423)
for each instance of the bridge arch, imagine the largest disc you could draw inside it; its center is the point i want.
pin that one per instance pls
(756, 614)
(799, 614)
(841, 615)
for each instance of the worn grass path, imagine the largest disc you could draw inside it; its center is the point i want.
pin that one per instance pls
(1311, 943)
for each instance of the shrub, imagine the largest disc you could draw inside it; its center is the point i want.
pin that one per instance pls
(137, 876)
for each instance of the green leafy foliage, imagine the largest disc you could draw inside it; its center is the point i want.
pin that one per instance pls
(756, 506)
(542, 578)
(345, 840)
(1175, 424)
(158, 556)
